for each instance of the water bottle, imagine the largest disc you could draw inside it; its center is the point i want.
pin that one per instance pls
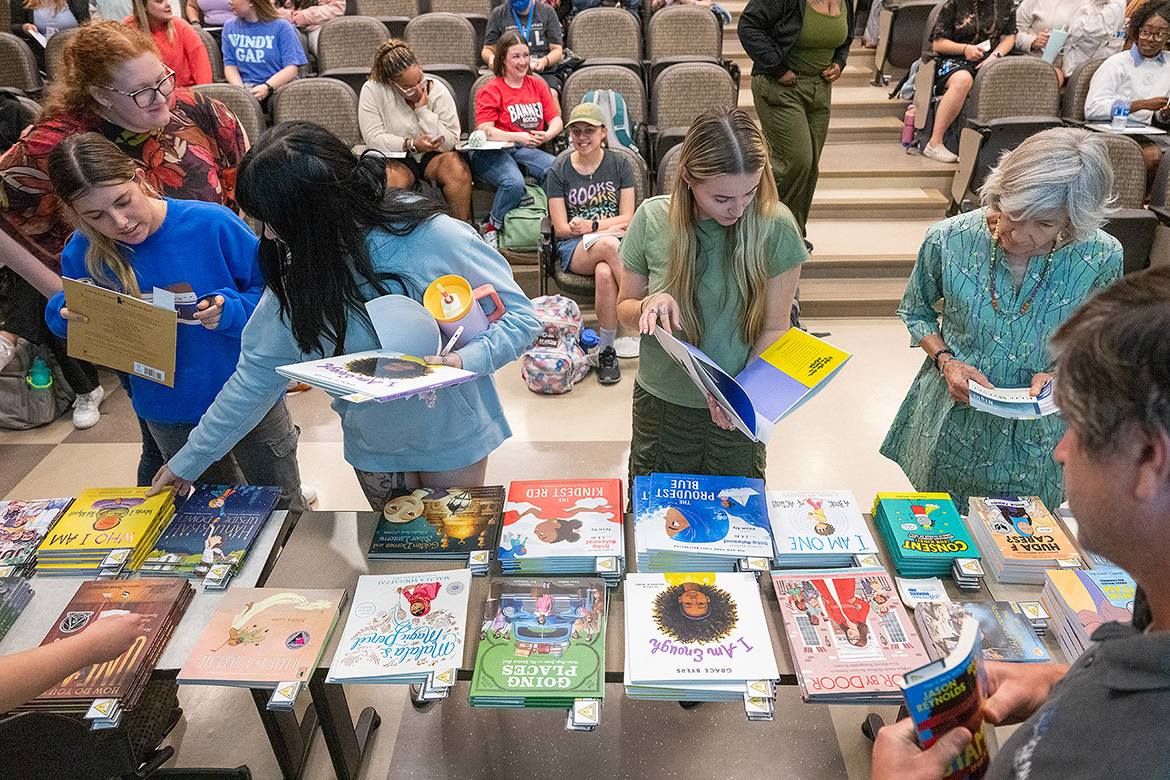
(590, 344)
(908, 127)
(1120, 113)
(39, 376)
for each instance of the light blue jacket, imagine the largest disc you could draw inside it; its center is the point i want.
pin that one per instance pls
(466, 421)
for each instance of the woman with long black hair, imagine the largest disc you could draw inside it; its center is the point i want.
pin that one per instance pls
(335, 238)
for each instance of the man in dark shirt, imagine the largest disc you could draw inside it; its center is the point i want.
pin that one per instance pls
(537, 23)
(1108, 715)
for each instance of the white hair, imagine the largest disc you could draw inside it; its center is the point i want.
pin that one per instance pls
(1063, 171)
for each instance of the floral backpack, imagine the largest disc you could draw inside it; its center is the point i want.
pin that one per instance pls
(555, 361)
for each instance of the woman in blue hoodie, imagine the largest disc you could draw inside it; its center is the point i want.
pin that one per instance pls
(335, 238)
(129, 239)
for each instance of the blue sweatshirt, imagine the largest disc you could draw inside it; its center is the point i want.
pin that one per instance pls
(465, 423)
(200, 249)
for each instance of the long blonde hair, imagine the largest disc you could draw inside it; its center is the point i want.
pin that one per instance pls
(719, 142)
(77, 166)
(142, 19)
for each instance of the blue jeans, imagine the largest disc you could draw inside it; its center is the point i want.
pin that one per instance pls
(501, 168)
(267, 455)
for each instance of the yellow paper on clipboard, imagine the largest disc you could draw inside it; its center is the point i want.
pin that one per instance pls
(123, 332)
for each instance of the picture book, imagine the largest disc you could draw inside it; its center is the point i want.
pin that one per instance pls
(15, 594)
(259, 637)
(542, 643)
(561, 518)
(403, 627)
(850, 638)
(949, 693)
(784, 376)
(818, 528)
(161, 602)
(923, 532)
(696, 627)
(425, 521)
(1021, 538)
(215, 524)
(24, 524)
(1006, 634)
(375, 375)
(699, 514)
(1079, 602)
(105, 519)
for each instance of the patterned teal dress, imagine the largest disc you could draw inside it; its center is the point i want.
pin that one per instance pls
(946, 446)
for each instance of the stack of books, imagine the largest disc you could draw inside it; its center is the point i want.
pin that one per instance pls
(1078, 602)
(211, 533)
(923, 532)
(1021, 539)
(405, 628)
(1007, 634)
(264, 638)
(376, 375)
(23, 526)
(850, 638)
(15, 593)
(105, 531)
(542, 643)
(564, 526)
(103, 691)
(697, 637)
(694, 522)
(815, 529)
(441, 524)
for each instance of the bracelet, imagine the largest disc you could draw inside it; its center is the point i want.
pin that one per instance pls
(940, 353)
(647, 300)
(270, 89)
(944, 365)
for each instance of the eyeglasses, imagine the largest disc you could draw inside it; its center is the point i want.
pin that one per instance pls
(1149, 34)
(421, 85)
(144, 98)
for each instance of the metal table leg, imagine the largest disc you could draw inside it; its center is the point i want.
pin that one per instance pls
(347, 745)
(289, 738)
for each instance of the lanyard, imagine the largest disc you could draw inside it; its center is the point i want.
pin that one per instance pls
(524, 30)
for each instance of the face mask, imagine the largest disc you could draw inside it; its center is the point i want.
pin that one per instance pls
(520, 6)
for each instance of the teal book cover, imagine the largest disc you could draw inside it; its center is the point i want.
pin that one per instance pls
(439, 520)
(924, 526)
(216, 524)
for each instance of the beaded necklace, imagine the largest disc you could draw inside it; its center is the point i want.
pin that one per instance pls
(991, 276)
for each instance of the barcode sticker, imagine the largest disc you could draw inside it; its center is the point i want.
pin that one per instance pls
(150, 373)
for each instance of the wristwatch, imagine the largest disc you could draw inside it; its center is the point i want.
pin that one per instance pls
(595, 226)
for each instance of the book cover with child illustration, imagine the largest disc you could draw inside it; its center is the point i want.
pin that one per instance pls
(552, 519)
(375, 375)
(692, 515)
(439, 522)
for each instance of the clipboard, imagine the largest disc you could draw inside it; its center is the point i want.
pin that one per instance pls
(123, 333)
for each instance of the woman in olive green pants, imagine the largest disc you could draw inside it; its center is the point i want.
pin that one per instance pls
(798, 48)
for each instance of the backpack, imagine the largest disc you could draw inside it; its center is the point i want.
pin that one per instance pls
(555, 361)
(521, 231)
(618, 126)
(21, 405)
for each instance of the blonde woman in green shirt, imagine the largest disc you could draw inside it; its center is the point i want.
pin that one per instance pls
(716, 264)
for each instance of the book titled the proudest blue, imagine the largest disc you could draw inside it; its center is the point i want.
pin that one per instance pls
(216, 524)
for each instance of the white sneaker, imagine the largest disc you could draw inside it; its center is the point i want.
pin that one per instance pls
(940, 153)
(85, 409)
(309, 492)
(491, 236)
(7, 350)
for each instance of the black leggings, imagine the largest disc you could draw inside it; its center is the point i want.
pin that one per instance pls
(25, 316)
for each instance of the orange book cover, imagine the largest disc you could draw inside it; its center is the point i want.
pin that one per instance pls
(260, 637)
(1023, 529)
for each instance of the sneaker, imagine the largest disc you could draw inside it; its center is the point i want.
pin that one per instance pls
(608, 372)
(85, 409)
(940, 153)
(491, 236)
(7, 350)
(309, 492)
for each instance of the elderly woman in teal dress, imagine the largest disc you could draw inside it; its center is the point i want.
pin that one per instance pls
(1006, 276)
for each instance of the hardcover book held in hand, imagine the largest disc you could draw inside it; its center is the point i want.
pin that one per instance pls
(376, 375)
(441, 524)
(784, 376)
(542, 643)
(403, 628)
(949, 693)
(851, 640)
(261, 637)
(696, 636)
(564, 526)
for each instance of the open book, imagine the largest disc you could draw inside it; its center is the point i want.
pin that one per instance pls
(772, 386)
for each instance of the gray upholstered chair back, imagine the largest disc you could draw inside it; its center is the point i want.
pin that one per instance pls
(1076, 89)
(242, 103)
(1014, 86)
(683, 31)
(18, 67)
(325, 101)
(350, 42)
(213, 54)
(1129, 171)
(621, 80)
(605, 32)
(442, 38)
(683, 91)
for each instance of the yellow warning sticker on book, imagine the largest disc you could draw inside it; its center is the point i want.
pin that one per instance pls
(804, 357)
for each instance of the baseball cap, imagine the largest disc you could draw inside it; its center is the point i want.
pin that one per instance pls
(589, 113)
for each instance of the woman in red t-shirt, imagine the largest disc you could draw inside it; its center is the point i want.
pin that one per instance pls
(518, 107)
(179, 46)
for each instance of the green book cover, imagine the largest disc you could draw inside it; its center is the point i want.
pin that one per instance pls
(924, 526)
(542, 643)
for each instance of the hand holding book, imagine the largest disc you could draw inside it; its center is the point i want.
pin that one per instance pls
(898, 756)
